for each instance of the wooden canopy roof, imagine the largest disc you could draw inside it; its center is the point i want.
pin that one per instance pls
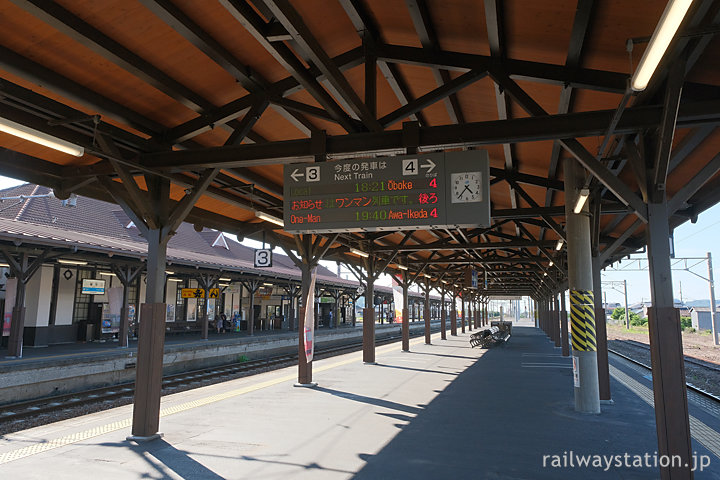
(225, 92)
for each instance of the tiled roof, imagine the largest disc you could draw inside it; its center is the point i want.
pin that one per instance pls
(101, 227)
(98, 226)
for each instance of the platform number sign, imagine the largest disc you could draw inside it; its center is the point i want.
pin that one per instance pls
(312, 174)
(410, 166)
(263, 258)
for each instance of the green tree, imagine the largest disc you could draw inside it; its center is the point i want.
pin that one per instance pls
(618, 313)
(636, 320)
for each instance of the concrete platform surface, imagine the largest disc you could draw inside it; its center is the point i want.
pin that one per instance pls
(442, 411)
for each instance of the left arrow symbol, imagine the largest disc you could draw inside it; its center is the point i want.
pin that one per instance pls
(296, 174)
(430, 165)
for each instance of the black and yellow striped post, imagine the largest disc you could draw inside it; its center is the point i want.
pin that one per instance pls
(582, 317)
(580, 283)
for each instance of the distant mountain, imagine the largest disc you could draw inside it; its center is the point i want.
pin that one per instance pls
(701, 303)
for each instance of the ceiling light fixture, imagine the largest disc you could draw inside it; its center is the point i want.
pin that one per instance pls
(174, 279)
(71, 262)
(225, 279)
(108, 274)
(559, 244)
(268, 284)
(269, 218)
(551, 263)
(359, 252)
(668, 25)
(36, 136)
(402, 267)
(223, 284)
(584, 194)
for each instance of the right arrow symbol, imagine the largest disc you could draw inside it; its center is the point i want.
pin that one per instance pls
(430, 165)
(295, 174)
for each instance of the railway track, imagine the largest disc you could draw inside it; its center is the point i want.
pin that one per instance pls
(690, 386)
(48, 405)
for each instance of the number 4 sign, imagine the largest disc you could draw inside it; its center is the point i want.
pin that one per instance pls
(263, 258)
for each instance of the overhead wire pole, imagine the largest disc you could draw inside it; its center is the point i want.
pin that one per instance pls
(711, 283)
(679, 264)
(612, 284)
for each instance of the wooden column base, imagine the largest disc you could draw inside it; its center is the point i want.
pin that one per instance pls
(148, 380)
(369, 335)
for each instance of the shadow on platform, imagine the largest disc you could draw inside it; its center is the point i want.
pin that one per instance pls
(497, 420)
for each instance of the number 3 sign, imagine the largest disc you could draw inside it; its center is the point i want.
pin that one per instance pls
(263, 258)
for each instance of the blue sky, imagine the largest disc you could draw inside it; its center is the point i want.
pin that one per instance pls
(691, 240)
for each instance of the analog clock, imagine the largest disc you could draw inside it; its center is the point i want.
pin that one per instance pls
(466, 187)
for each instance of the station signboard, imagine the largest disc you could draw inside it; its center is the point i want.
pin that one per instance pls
(93, 286)
(192, 293)
(429, 190)
(199, 293)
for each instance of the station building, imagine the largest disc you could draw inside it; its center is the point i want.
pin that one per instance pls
(89, 239)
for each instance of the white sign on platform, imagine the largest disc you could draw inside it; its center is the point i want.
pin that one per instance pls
(576, 372)
(263, 258)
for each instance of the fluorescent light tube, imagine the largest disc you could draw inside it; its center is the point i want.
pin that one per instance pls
(359, 252)
(270, 218)
(36, 136)
(668, 25)
(559, 244)
(584, 194)
(72, 262)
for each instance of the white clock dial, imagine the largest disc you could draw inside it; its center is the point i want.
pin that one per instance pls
(466, 187)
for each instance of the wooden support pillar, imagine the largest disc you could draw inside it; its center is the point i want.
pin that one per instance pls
(666, 352)
(443, 315)
(405, 322)
(127, 275)
(369, 314)
(601, 333)
(252, 287)
(151, 342)
(426, 312)
(453, 315)
(305, 374)
(17, 321)
(206, 282)
(22, 270)
(462, 310)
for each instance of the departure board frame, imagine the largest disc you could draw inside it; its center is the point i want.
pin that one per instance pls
(407, 192)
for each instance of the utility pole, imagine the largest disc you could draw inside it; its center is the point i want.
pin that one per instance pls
(627, 313)
(711, 282)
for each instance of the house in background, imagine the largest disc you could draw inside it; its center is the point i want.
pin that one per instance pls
(701, 318)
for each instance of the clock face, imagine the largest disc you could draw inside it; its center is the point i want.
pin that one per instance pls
(466, 187)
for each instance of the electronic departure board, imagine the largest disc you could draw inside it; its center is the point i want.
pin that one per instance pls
(431, 190)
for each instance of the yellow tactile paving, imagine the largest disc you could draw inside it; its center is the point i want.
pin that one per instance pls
(708, 437)
(44, 446)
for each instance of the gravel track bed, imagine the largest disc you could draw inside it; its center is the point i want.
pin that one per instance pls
(700, 376)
